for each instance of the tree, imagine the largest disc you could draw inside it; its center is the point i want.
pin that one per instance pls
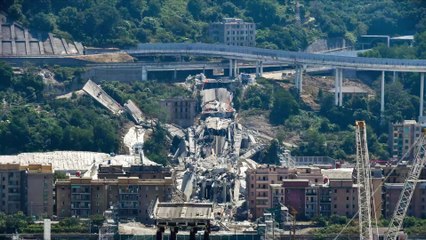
(6, 75)
(43, 22)
(284, 105)
(420, 41)
(156, 148)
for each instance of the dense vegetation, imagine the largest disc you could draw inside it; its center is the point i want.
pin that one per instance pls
(19, 223)
(32, 120)
(126, 22)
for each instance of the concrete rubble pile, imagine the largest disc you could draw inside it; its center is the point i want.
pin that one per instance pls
(217, 149)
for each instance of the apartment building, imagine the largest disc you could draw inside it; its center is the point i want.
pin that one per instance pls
(131, 196)
(398, 174)
(402, 136)
(234, 32)
(265, 186)
(261, 186)
(343, 192)
(26, 188)
(417, 207)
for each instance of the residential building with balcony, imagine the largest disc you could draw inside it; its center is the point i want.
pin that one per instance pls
(402, 136)
(131, 196)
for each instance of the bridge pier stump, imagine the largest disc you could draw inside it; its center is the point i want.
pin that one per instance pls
(382, 95)
(192, 233)
(173, 233)
(422, 94)
(159, 233)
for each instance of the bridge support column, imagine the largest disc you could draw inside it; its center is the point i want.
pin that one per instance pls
(336, 87)
(394, 76)
(422, 93)
(230, 67)
(235, 68)
(299, 79)
(159, 233)
(340, 87)
(257, 69)
(144, 74)
(261, 68)
(204, 69)
(174, 75)
(173, 233)
(382, 95)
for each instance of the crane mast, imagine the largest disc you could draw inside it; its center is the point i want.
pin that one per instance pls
(407, 190)
(364, 181)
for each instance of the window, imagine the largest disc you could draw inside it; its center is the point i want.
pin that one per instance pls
(335, 205)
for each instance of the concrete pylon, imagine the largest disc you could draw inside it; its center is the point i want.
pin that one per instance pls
(230, 68)
(260, 69)
(422, 93)
(382, 95)
(159, 233)
(257, 69)
(144, 74)
(299, 79)
(173, 233)
(336, 87)
(340, 87)
(235, 68)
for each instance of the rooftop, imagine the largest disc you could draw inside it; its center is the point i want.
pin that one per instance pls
(338, 174)
(168, 211)
(73, 160)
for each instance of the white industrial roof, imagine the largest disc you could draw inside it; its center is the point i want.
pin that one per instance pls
(339, 173)
(73, 160)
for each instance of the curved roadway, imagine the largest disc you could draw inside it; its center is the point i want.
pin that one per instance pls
(260, 54)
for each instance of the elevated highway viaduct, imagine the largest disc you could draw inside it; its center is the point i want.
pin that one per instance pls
(299, 59)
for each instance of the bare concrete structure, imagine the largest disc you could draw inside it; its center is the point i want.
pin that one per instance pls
(16, 40)
(181, 111)
(102, 97)
(193, 216)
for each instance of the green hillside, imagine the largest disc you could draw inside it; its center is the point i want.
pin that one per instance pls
(127, 22)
